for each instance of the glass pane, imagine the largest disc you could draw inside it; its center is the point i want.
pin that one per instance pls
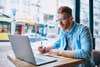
(96, 8)
(40, 14)
(84, 12)
(96, 17)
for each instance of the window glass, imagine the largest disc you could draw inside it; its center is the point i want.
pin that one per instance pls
(96, 8)
(84, 12)
(41, 15)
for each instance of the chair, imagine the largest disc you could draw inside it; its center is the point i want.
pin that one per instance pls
(96, 57)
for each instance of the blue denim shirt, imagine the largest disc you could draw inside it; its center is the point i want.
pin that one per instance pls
(80, 42)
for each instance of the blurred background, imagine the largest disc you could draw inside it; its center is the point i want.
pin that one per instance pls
(37, 18)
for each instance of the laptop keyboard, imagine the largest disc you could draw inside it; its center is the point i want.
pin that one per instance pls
(39, 59)
(43, 59)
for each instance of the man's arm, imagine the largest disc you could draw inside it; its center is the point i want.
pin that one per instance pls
(67, 53)
(86, 44)
(84, 52)
(63, 53)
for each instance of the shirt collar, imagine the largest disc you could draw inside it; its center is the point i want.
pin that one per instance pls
(72, 28)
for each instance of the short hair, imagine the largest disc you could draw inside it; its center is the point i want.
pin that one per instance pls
(65, 9)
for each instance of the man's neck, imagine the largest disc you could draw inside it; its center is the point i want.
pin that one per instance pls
(70, 26)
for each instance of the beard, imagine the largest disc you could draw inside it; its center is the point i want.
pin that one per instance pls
(65, 26)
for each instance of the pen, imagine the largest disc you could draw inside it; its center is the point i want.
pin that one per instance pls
(41, 44)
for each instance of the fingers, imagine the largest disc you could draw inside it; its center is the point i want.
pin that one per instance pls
(42, 49)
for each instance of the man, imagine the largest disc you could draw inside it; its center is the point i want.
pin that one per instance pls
(75, 40)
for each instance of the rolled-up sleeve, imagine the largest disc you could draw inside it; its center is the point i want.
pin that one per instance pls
(86, 44)
(57, 44)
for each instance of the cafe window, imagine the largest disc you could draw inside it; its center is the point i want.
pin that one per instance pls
(84, 12)
(96, 18)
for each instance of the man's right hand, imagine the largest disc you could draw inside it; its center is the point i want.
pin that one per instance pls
(42, 49)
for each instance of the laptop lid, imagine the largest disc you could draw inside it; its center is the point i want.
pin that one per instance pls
(22, 49)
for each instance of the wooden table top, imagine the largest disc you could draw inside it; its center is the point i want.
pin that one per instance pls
(61, 62)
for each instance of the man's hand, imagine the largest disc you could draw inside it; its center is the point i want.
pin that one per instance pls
(44, 49)
(54, 52)
(57, 52)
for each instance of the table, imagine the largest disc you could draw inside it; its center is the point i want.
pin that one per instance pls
(61, 62)
(13, 62)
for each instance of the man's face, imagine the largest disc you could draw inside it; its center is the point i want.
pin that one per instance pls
(65, 20)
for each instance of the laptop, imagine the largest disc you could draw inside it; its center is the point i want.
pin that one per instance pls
(23, 51)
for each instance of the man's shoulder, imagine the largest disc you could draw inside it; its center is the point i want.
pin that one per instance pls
(81, 27)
